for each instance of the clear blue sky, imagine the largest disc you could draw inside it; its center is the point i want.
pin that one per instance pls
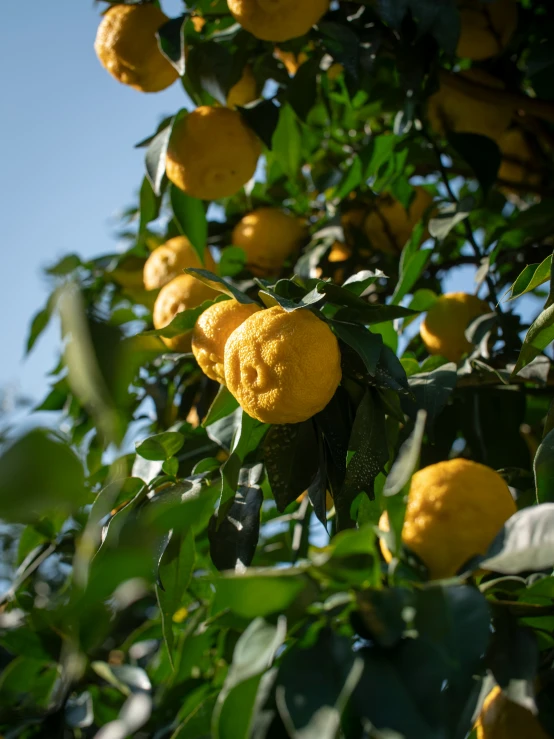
(68, 164)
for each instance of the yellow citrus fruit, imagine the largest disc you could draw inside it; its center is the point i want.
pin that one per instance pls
(277, 20)
(519, 163)
(268, 236)
(335, 71)
(486, 27)
(170, 259)
(455, 509)
(388, 225)
(245, 90)
(339, 252)
(450, 109)
(127, 47)
(212, 153)
(291, 61)
(182, 293)
(282, 367)
(443, 330)
(501, 718)
(198, 22)
(211, 332)
(329, 503)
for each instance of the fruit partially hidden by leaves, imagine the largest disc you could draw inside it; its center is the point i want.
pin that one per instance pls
(451, 109)
(277, 20)
(127, 47)
(244, 91)
(212, 331)
(388, 225)
(519, 164)
(501, 718)
(268, 236)
(291, 61)
(486, 27)
(170, 259)
(212, 153)
(182, 293)
(443, 329)
(282, 367)
(455, 509)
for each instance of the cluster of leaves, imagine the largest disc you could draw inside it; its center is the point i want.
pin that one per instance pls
(169, 580)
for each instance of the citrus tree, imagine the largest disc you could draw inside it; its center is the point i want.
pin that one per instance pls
(297, 482)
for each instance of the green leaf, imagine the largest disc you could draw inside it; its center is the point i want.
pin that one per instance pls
(174, 575)
(291, 456)
(360, 281)
(155, 157)
(223, 405)
(258, 593)
(171, 41)
(532, 276)
(183, 321)
(411, 268)
(65, 266)
(39, 473)
(38, 325)
(539, 336)
(421, 301)
(263, 119)
(233, 260)
(526, 542)
(190, 218)
(448, 218)
(366, 344)
(160, 446)
(371, 315)
(253, 655)
(399, 480)
(218, 283)
(543, 467)
(481, 153)
(171, 466)
(287, 143)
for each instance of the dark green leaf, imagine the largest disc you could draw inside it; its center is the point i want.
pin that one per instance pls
(233, 260)
(218, 283)
(262, 118)
(481, 153)
(210, 67)
(302, 90)
(367, 455)
(149, 205)
(366, 344)
(342, 43)
(448, 217)
(291, 457)
(233, 540)
(160, 446)
(190, 218)
(411, 268)
(38, 325)
(171, 40)
(431, 391)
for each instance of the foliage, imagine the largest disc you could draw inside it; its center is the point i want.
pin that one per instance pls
(166, 576)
